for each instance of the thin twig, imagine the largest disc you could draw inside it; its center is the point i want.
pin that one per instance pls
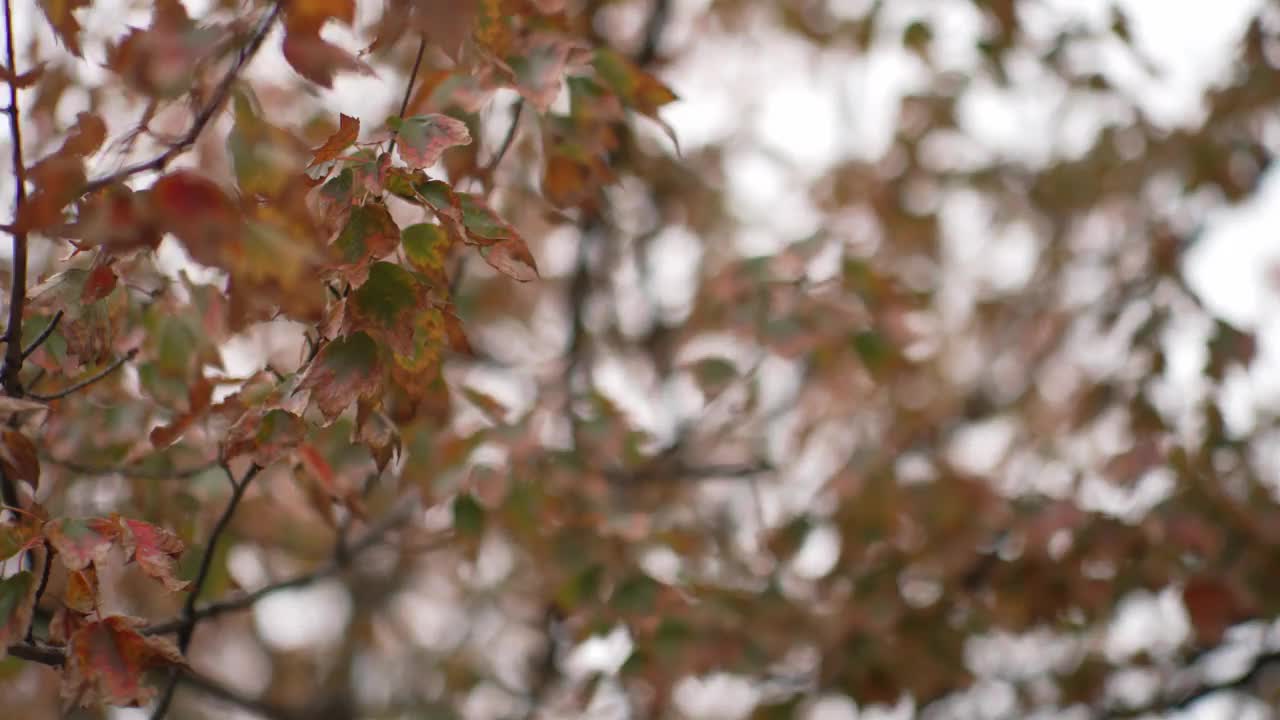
(202, 119)
(218, 691)
(31, 652)
(13, 355)
(87, 381)
(245, 601)
(408, 86)
(188, 627)
(44, 335)
(44, 583)
(486, 174)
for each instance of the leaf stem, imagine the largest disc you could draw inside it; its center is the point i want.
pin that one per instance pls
(408, 86)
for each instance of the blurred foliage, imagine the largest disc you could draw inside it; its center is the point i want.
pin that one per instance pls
(521, 377)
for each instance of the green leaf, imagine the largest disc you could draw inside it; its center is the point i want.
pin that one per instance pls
(427, 247)
(389, 292)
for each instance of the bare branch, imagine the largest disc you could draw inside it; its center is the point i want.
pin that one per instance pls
(87, 381)
(202, 119)
(486, 174)
(31, 652)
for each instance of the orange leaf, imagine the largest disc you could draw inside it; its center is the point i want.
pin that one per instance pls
(23, 80)
(342, 138)
(107, 662)
(82, 590)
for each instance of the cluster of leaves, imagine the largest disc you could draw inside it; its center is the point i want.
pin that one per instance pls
(806, 514)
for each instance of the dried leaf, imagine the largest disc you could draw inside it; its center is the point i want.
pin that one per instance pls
(61, 15)
(82, 590)
(316, 59)
(421, 140)
(264, 436)
(156, 550)
(19, 458)
(342, 138)
(107, 662)
(511, 258)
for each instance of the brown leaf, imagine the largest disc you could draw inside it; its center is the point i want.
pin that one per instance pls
(316, 59)
(264, 436)
(19, 458)
(82, 590)
(511, 258)
(23, 80)
(422, 139)
(107, 662)
(342, 138)
(60, 14)
(447, 23)
(17, 604)
(376, 432)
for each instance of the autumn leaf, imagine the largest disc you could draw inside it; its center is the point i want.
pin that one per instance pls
(421, 140)
(101, 281)
(376, 432)
(342, 138)
(447, 23)
(198, 212)
(370, 233)
(114, 218)
(82, 590)
(155, 549)
(483, 225)
(392, 306)
(264, 436)
(511, 258)
(107, 662)
(17, 604)
(61, 15)
(318, 470)
(345, 370)
(370, 169)
(426, 246)
(19, 459)
(81, 542)
(541, 66)
(21, 534)
(316, 59)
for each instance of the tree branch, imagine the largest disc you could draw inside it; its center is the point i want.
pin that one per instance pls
(408, 86)
(13, 355)
(202, 119)
(218, 691)
(44, 335)
(486, 174)
(87, 381)
(31, 652)
(44, 584)
(245, 601)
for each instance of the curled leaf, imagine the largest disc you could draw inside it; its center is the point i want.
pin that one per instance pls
(107, 662)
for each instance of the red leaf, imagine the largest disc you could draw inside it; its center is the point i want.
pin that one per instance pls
(422, 139)
(107, 662)
(156, 551)
(199, 213)
(17, 603)
(99, 284)
(342, 138)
